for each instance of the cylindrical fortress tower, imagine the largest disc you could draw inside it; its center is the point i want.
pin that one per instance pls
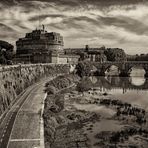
(38, 46)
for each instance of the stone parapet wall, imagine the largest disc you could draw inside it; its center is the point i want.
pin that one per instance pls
(16, 78)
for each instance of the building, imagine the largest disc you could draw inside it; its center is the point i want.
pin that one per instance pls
(41, 46)
(63, 58)
(38, 46)
(87, 53)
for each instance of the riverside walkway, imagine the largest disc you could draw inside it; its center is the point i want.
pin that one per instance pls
(23, 125)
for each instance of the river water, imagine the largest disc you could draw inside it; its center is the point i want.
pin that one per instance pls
(133, 89)
(97, 118)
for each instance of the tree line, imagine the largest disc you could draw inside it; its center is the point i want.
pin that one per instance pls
(6, 52)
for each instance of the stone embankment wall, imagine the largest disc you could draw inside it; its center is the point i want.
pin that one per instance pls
(14, 79)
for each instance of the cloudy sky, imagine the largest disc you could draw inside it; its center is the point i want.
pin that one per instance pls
(113, 23)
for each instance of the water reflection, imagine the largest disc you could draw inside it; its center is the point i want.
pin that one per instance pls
(137, 72)
(137, 81)
(128, 83)
(132, 90)
(134, 71)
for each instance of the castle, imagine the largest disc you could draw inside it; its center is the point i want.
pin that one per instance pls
(41, 46)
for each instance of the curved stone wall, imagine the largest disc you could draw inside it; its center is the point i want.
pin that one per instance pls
(14, 79)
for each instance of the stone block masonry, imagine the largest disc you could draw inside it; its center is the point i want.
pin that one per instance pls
(16, 78)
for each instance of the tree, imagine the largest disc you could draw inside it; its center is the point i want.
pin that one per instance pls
(84, 68)
(115, 54)
(2, 59)
(6, 52)
(84, 85)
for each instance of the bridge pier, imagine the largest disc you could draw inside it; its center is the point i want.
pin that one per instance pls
(99, 73)
(146, 70)
(146, 74)
(124, 73)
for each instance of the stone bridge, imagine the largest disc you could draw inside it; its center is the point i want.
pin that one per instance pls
(109, 83)
(123, 67)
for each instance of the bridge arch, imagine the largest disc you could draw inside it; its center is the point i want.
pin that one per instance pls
(133, 70)
(137, 82)
(124, 67)
(124, 83)
(112, 69)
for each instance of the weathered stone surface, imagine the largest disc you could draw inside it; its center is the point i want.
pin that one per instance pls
(14, 79)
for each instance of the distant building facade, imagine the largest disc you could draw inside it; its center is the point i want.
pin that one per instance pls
(137, 57)
(63, 58)
(87, 53)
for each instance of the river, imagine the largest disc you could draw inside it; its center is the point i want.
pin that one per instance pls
(94, 117)
(133, 89)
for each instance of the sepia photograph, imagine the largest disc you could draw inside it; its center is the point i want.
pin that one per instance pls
(73, 74)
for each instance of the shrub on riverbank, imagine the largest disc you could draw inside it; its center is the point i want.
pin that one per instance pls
(54, 104)
(117, 137)
(84, 85)
(60, 82)
(84, 68)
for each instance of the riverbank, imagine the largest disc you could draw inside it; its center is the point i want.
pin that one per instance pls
(83, 118)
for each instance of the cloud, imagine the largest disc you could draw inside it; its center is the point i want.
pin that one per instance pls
(113, 23)
(129, 24)
(6, 28)
(78, 2)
